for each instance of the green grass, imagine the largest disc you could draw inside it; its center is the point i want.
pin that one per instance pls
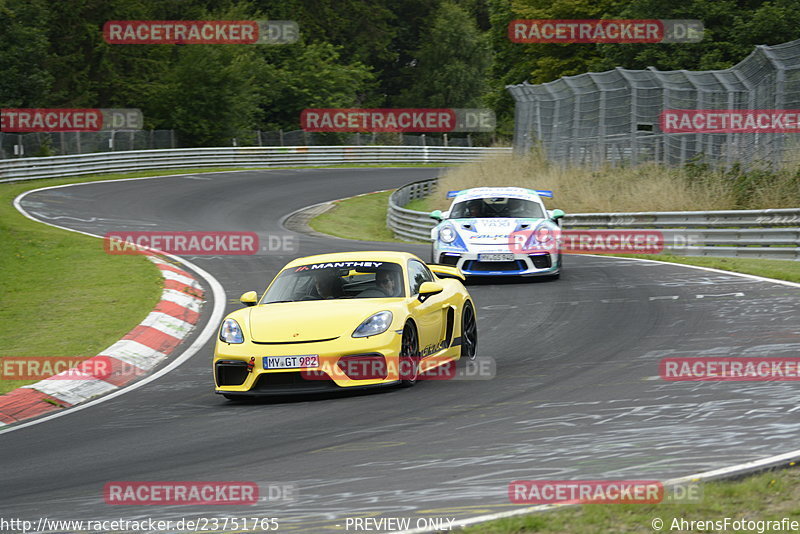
(767, 496)
(62, 295)
(420, 204)
(779, 269)
(362, 217)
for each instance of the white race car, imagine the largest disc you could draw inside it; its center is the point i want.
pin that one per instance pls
(498, 231)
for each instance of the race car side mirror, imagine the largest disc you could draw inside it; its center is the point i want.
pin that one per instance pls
(556, 214)
(436, 214)
(249, 298)
(428, 289)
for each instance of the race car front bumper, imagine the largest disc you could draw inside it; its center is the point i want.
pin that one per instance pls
(475, 264)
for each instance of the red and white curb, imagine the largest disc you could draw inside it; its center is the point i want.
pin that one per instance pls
(135, 355)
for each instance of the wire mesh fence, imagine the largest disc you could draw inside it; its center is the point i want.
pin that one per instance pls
(43, 144)
(614, 116)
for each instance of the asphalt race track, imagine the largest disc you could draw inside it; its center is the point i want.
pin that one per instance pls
(576, 394)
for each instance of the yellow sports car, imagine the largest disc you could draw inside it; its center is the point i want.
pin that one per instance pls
(346, 320)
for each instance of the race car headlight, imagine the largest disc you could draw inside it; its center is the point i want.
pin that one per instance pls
(543, 234)
(374, 325)
(230, 332)
(447, 234)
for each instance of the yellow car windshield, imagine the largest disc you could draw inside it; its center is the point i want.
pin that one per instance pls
(340, 280)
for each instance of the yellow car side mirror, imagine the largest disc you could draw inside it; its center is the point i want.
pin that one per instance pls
(428, 289)
(250, 298)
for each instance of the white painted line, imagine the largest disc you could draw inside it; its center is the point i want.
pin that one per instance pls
(182, 299)
(706, 476)
(172, 275)
(737, 469)
(709, 269)
(73, 391)
(134, 353)
(209, 330)
(168, 324)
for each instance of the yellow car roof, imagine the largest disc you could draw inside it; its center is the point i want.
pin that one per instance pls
(370, 255)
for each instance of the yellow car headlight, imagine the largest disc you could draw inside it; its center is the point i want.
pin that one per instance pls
(230, 332)
(374, 325)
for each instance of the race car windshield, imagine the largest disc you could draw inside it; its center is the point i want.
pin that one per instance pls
(337, 280)
(497, 207)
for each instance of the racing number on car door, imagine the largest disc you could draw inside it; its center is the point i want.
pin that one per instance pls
(430, 315)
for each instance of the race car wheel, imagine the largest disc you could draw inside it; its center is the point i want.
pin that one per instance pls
(469, 332)
(409, 356)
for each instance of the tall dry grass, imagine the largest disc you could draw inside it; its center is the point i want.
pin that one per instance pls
(647, 187)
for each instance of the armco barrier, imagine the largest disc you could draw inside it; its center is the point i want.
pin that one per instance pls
(767, 234)
(297, 156)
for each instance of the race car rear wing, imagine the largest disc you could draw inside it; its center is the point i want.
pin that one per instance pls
(540, 192)
(446, 271)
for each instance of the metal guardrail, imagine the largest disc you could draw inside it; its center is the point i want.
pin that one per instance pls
(296, 156)
(767, 234)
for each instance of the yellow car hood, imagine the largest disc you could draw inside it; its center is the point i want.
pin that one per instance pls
(311, 320)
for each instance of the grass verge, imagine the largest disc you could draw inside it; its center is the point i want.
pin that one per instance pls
(646, 187)
(779, 269)
(769, 496)
(62, 295)
(364, 218)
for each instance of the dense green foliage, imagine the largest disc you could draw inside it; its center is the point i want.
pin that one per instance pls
(352, 53)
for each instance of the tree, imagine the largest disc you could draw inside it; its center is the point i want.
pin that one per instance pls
(451, 64)
(733, 29)
(25, 81)
(210, 94)
(309, 76)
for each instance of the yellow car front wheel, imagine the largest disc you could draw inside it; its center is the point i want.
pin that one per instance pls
(409, 356)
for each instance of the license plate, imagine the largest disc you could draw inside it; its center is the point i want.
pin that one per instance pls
(495, 257)
(291, 362)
